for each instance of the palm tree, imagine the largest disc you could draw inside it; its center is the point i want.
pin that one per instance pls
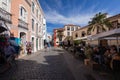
(100, 22)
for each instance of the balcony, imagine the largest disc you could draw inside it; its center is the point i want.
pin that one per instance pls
(5, 16)
(39, 35)
(23, 24)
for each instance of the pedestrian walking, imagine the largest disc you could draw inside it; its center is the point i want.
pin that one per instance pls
(46, 47)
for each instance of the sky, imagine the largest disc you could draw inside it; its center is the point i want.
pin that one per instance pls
(78, 12)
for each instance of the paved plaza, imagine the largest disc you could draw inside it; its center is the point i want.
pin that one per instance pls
(53, 64)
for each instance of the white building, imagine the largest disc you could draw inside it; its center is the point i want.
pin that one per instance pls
(5, 15)
(68, 29)
(38, 26)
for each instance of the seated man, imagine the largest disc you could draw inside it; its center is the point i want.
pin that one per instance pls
(6, 56)
(9, 50)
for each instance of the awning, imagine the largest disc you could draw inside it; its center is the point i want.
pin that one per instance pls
(83, 38)
(111, 33)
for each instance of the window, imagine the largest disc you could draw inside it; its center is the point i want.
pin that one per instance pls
(83, 34)
(115, 24)
(72, 29)
(76, 35)
(32, 24)
(33, 7)
(37, 12)
(39, 28)
(68, 28)
(68, 33)
(36, 27)
(76, 28)
(118, 25)
(39, 17)
(23, 14)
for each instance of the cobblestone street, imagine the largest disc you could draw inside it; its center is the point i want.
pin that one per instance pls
(49, 65)
(54, 64)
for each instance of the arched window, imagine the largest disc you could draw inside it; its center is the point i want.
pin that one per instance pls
(33, 7)
(83, 34)
(76, 35)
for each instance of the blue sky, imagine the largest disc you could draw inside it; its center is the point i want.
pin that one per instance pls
(78, 12)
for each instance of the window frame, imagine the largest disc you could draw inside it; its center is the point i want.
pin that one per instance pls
(33, 22)
(23, 14)
(33, 7)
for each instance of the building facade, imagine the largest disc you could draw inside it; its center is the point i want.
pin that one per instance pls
(58, 36)
(83, 34)
(5, 16)
(66, 32)
(24, 19)
(21, 10)
(69, 29)
(38, 29)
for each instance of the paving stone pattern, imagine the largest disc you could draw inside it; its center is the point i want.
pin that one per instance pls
(49, 65)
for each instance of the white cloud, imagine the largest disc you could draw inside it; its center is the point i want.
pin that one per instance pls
(57, 18)
(74, 16)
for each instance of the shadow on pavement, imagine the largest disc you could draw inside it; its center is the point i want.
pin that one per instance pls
(52, 68)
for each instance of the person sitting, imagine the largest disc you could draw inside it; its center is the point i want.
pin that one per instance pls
(6, 55)
(107, 56)
(96, 55)
(9, 50)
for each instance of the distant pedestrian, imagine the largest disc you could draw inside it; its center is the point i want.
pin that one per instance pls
(46, 47)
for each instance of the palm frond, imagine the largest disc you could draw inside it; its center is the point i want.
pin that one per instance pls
(103, 28)
(99, 20)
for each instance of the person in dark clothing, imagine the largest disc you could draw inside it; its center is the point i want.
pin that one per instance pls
(96, 55)
(2, 57)
(102, 51)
